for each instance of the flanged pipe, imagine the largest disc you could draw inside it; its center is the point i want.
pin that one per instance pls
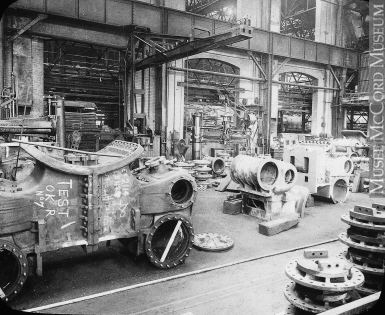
(13, 270)
(218, 164)
(169, 241)
(255, 173)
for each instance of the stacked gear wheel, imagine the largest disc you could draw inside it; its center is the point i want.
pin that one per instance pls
(365, 239)
(202, 173)
(320, 283)
(169, 241)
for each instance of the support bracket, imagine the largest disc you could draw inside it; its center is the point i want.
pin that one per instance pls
(276, 71)
(259, 66)
(25, 28)
(334, 76)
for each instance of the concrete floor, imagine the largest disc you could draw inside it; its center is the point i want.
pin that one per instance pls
(244, 288)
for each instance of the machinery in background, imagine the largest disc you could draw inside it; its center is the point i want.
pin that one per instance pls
(268, 187)
(232, 139)
(86, 198)
(365, 241)
(321, 169)
(319, 282)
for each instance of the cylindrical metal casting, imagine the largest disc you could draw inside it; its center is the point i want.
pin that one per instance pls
(60, 124)
(197, 136)
(255, 173)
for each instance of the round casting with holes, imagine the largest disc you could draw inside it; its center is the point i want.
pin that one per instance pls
(169, 241)
(13, 270)
(324, 274)
(213, 242)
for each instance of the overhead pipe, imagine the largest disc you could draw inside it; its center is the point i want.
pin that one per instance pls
(237, 76)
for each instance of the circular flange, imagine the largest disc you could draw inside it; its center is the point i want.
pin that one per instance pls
(305, 304)
(203, 169)
(344, 238)
(166, 234)
(13, 270)
(201, 162)
(212, 242)
(376, 217)
(354, 222)
(361, 265)
(155, 161)
(202, 177)
(184, 165)
(323, 281)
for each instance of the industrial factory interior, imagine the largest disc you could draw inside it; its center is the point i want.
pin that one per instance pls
(191, 157)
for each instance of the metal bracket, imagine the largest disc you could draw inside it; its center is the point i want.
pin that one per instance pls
(276, 71)
(257, 64)
(25, 28)
(334, 76)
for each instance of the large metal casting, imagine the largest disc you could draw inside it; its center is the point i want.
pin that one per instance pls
(267, 186)
(79, 199)
(323, 171)
(365, 239)
(320, 283)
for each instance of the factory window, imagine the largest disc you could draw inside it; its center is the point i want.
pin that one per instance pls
(298, 18)
(224, 10)
(85, 73)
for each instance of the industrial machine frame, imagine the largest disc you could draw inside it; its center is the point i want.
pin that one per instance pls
(61, 205)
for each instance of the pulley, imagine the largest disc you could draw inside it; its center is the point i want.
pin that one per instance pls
(169, 241)
(13, 270)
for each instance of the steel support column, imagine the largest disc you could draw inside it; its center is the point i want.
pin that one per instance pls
(2, 53)
(340, 110)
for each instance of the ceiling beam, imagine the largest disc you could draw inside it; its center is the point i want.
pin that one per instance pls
(234, 35)
(237, 76)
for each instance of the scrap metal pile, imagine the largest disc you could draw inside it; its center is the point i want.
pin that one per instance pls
(65, 202)
(320, 283)
(365, 239)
